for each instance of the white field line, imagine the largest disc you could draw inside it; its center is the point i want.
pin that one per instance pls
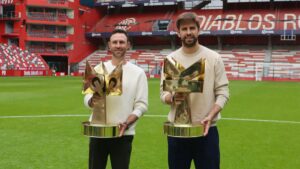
(43, 116)
(151, 116)
(260, 120)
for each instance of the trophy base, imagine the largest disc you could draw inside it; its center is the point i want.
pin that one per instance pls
(183, 130)
(100, 130)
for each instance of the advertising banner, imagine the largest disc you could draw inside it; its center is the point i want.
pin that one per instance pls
(211, 22)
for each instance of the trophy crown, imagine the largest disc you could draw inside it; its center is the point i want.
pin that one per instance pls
(99, 81)
(184, 80)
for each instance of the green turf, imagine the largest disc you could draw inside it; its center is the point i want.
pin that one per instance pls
(57, 142)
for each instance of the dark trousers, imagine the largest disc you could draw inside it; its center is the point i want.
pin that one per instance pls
(119, 150)
(204, 151)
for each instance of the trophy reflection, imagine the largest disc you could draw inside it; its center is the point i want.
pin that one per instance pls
(101, 84)
(183, 81)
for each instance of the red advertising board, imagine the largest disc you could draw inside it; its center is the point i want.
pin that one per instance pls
(249, 20)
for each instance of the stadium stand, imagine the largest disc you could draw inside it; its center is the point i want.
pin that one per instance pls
(243, 64)
(14, 58)
(138, 23)
(256, 39)
(149, 60)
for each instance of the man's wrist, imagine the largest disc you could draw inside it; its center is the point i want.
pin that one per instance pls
(126, 124)
(210, 116)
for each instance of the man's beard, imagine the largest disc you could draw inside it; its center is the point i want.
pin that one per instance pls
(189, 44)
(119, 54)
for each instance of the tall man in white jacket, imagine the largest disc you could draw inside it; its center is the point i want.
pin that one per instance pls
(205, 107)
(125, 109)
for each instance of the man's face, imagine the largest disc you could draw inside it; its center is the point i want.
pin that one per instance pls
(118, 45)
(188, 33)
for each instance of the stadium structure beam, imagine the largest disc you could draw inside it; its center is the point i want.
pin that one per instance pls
(225, 5)
(202, 4)
(220, 45)
(272, 5)
(173, 42)
(104, 40)
(180, 5)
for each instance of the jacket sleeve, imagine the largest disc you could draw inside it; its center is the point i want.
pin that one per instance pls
(221, 83)
(141, 99)
(86, 100)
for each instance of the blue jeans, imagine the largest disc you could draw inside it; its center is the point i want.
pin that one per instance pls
(204, 151)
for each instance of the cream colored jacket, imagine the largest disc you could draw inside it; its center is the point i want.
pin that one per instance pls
(215, 89)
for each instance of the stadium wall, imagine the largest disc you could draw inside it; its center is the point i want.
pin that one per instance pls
(81, 20)
(25, 73)
(87, 18)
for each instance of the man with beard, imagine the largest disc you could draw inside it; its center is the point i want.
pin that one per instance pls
(124, 109)
(205, 107)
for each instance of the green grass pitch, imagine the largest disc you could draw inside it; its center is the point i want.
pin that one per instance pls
(37, 142)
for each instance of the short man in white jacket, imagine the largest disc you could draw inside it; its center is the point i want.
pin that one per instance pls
(125, 109)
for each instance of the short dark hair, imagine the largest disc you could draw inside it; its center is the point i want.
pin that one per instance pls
(187, 16)
(119, 31)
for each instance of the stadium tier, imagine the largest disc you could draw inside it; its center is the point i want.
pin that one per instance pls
(150, 60)
(136, 22)
(14, 58)
(281, 22)
(242, 64)
(257, 40)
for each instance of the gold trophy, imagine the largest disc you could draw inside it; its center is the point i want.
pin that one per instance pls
(183, 81)
(98, 82)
